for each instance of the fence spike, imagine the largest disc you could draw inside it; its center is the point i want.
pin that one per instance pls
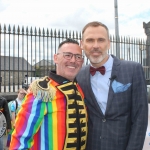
(77, 34)
(51, 33)
(31, 31)
(62, 34)
(124, 39)
(22, 29)
(121, 39)
(14, 29)
(4, 28)
(35, 31)
(39, 31)
(59, 33)
(18, 30)
(43, 32)
(134, 40)
(47, 32)
(66, 35)
(73, 35)
(27, 30)
(69, 34)
(129, 39)
(55, 34)
(9, 28)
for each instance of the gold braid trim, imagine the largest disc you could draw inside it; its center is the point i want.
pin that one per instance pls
(46, 94)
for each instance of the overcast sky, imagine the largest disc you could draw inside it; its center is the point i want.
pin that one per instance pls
(74, 14)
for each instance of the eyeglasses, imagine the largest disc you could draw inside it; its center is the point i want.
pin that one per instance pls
(68, 56)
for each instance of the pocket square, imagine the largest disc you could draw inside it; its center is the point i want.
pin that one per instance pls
(119, 87)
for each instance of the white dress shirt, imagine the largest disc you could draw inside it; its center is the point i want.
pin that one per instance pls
(100, 84)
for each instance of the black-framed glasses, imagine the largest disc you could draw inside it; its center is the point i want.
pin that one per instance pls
(68, 56)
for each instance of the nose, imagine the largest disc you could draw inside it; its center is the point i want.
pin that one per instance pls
(95, 44)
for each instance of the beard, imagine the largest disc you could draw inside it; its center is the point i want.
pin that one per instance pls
(96, 59)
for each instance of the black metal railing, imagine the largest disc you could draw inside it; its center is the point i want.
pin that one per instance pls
(29, 52)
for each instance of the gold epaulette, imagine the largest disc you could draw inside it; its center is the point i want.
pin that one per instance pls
(41, 89)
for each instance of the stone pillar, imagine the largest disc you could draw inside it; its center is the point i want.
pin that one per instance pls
(147, 32)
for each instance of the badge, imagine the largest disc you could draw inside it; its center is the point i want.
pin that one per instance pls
(2, 124)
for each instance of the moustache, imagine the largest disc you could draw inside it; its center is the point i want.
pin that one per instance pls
(96, 50)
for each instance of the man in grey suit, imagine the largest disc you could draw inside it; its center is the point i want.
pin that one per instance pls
(116, 98)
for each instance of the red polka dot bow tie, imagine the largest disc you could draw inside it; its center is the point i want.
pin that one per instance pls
(100, 69)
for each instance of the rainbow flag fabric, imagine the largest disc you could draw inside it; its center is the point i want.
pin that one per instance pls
(59, 123)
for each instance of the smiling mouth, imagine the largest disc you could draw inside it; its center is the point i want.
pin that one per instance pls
(72, 67)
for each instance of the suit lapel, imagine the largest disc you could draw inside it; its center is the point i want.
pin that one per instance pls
(115, 72)
(89, 88)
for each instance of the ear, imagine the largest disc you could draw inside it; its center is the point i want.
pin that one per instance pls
(55, 58)
(108, 44)
(81, 42)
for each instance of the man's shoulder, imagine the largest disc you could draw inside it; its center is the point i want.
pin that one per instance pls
(125, 62)
(41, 89)
(130, 64)
(84, 69)
(83, 73)
(12, 103)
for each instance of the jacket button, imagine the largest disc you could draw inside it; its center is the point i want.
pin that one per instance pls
(104, 120)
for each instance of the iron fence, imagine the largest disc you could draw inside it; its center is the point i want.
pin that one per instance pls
(29, 52)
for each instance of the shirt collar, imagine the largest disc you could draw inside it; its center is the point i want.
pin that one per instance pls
(108, 64)
(59, 79)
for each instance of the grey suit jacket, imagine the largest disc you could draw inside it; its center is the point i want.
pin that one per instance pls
(124, 124)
